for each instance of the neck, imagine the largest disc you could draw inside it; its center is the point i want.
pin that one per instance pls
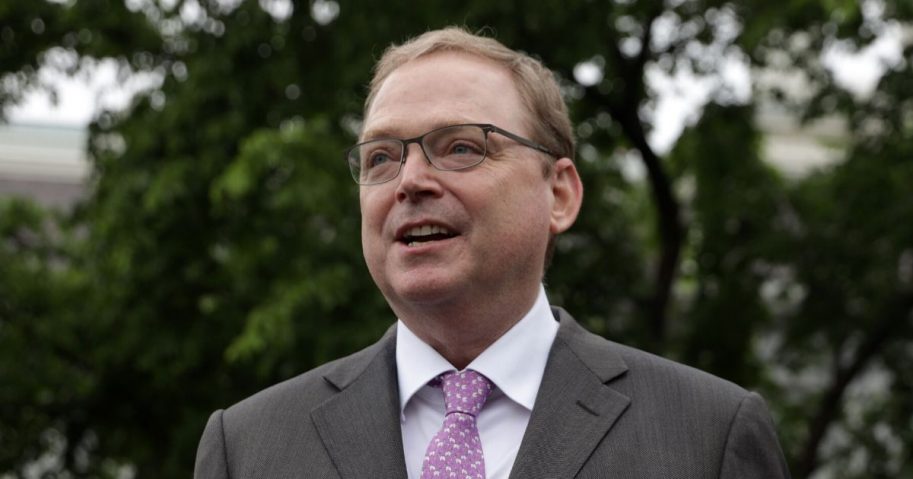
(461, 330)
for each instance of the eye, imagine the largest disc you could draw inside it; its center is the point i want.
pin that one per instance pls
(464, 147)
(378, 158)
(378, 154)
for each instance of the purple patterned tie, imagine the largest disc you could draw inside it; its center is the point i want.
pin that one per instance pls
(456, 450)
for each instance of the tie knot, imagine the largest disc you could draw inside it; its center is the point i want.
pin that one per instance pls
(465, 391)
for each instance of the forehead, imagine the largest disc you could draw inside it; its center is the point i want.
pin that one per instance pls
(443, 89)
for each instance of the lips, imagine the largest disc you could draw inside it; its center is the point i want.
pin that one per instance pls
(423, 233)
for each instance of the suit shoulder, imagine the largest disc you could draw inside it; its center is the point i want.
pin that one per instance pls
(303, 392)
(735, 424)
(637, 371)
(649, 372)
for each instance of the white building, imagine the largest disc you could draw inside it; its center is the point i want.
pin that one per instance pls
(45, 163)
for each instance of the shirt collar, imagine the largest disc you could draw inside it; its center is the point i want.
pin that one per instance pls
(515, 362)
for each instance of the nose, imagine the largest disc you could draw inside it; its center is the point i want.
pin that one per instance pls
(417, 178)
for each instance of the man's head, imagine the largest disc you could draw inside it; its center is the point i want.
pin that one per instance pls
(547, 114)
(446, 239)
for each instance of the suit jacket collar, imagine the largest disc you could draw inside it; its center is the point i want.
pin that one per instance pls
(360, 425)
(574, 408)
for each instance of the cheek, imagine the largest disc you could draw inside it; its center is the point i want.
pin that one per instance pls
(371, 239)
(520, 208)
(372, 221)
(372, 208)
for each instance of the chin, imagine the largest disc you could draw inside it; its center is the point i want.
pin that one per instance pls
(422, 290)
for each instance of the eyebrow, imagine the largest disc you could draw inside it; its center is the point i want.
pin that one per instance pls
(386, 131)
(377, 133)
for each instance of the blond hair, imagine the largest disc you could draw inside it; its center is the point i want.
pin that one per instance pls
(548, 118)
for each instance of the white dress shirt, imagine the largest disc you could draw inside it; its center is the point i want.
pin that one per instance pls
(515, 364)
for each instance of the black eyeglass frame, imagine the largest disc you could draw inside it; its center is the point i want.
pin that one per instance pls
(485, 127)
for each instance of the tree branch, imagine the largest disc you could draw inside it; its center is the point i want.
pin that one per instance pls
(829, 407)
(625, 111)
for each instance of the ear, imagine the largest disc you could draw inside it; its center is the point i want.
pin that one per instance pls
(567, 192)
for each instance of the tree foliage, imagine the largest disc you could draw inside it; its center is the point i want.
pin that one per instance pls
(218, 251)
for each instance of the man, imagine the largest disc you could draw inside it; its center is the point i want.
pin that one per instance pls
(466, 173)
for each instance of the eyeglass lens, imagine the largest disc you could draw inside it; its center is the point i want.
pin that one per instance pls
(449, 148)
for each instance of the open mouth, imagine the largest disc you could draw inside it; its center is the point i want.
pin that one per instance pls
(424, 234)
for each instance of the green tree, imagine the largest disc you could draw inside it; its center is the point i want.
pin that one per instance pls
(218, 251)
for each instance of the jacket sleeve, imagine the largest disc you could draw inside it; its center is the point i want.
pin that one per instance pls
(752, 449)
(212, 459)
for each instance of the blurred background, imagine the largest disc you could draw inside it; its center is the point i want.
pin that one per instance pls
(178, 229)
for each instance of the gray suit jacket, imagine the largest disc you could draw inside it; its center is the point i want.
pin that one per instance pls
(603, 411)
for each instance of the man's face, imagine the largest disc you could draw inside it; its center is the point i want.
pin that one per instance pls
(495, 217)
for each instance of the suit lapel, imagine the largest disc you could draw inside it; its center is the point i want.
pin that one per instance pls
(574, 408)
(360, 425)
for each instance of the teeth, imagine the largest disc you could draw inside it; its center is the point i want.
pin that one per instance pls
(426, 230)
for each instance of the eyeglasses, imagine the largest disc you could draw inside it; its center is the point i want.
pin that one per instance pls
(450, 148)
